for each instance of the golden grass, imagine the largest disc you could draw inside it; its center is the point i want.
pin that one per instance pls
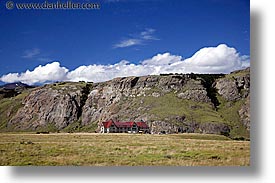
(88, 149)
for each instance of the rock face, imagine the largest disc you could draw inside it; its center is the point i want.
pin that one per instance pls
(163, 127)
(244, 113)
(48, 106)
(196, 95)
(168, 103)
(114, 98)
(228, 89)
(235, 87)
(213, 128)
(194, 90)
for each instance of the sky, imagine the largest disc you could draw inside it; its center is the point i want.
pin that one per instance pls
(123, 38)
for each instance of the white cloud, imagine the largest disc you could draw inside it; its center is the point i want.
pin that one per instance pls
(35, 53)
(148, 34)
(140, 39)
(31, 53)
(162, 59)
(220, 59)
(41, 74)
(127, 43)
(97, 73)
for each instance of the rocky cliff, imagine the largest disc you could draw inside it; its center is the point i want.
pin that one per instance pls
(203, 103)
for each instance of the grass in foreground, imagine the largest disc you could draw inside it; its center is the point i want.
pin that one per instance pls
(122, 149)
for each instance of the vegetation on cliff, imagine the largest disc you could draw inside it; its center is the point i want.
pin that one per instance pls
(202, 103)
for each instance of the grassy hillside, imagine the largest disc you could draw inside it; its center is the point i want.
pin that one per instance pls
(157, 102)
(9, 107)
(170, 105)
(229, 112)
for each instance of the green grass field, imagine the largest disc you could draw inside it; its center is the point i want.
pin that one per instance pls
(90, 149)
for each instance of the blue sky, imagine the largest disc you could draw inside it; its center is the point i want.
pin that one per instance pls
(128, 31)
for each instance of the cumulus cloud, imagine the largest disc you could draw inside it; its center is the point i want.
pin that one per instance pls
(107, 72)
(162, 59)
(220, 59)
(49, 73)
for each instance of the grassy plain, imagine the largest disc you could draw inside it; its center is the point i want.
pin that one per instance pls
(90, 149)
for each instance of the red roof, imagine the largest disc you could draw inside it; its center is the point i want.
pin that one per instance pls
(107, 124)
(142, 124)
(124, 124)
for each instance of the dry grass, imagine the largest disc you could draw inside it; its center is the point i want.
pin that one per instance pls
(87, 149)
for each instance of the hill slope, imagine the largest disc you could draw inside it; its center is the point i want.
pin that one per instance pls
(204, 103)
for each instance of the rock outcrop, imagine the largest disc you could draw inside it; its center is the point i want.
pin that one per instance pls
(48, 106)
(244, 113)
(234, 87)
(175, 103)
